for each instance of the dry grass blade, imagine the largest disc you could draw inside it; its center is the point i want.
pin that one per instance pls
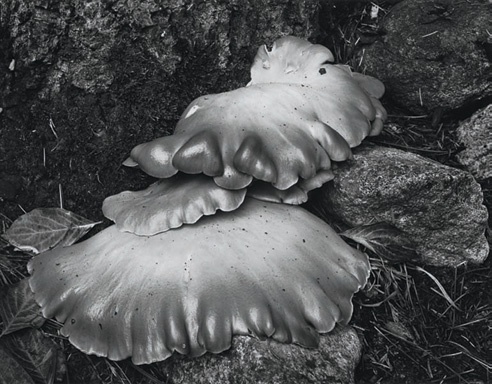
(147, 375)
(117, 372)
(424, 352)
(441, 288)
(378, 304)
(399, 298)
(479, 360)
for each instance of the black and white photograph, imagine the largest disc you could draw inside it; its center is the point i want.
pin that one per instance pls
(245, 191)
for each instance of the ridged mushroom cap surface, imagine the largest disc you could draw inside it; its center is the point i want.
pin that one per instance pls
(265, 270)
(297, 115)
(184, 199)
(170, 203)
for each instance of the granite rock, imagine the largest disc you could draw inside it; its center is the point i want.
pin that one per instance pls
(434, 54)
(440, 208)
(265, 361)
(475, 134)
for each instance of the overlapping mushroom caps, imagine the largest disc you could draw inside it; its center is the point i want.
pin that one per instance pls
(281, 132)
(150, 286)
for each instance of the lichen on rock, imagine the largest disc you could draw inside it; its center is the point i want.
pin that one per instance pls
(475, 134)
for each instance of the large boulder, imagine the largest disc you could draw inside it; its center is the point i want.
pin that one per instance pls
(440, 208)
(434, 54)
(475, 134)
(267, 362)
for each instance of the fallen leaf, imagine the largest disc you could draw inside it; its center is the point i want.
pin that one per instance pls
(12, 371)
(45, 228)
(399, 330)
(385, 240)
(18, 308)
(37, 354)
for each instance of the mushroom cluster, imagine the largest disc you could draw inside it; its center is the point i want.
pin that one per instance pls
(166, 279)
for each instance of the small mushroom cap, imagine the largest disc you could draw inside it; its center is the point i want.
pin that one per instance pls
(294, 60)
(265, 270)
(291, 60)
(184, 199)
(170, 203)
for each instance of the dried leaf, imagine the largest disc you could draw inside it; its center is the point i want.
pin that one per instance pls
(12, 371)
(384, 240)
(37, 354)
(399, 330)
(18, 308)
(45, 228)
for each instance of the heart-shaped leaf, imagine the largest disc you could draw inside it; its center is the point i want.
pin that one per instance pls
(385, 240)
(12, 371)
(45, 228)
(37, 355)
(18, 308)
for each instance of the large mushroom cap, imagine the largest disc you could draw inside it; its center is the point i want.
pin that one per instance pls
(266, 270)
